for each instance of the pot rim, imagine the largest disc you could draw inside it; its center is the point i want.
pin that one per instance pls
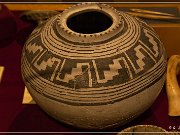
(116, 26)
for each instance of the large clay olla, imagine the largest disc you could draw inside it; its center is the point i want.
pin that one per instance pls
(94, 67)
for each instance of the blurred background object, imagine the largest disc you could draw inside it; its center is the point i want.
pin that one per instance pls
(39, 16)
(143, 129)
(172, 85)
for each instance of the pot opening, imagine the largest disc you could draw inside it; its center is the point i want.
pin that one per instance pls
(89, 22)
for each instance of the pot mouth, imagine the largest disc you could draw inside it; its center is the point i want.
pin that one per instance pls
(89, 22)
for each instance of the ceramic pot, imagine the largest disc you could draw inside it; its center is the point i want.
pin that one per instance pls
(94, 67)
(144, 129)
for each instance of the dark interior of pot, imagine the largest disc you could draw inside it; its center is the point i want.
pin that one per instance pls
(89, 22)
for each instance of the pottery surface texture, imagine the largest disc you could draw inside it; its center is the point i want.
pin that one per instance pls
(94, 77)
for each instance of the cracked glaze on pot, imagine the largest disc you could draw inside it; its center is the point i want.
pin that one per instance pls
(94, 80)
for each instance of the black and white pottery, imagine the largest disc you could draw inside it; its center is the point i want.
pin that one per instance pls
(94, 67)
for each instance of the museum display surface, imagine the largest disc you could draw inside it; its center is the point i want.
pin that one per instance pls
(87, 97)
